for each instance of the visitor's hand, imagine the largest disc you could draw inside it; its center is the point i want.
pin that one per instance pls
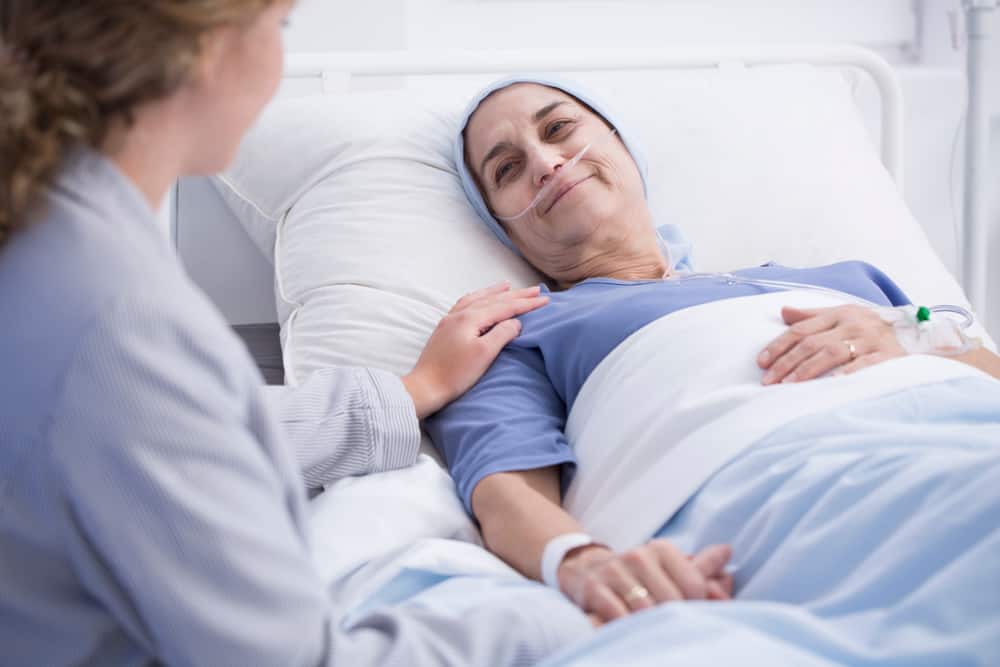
(847, 338)
(607, 585)
(465, 343)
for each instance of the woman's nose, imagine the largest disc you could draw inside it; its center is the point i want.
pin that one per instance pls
(543, 160)
(547, 175)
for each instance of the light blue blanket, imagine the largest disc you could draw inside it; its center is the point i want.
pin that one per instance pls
(868, 536)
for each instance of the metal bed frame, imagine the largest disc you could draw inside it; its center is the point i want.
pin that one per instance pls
(336, 70)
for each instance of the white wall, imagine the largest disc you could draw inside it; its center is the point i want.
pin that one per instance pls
(324, 25)
(887, 25)
(334, 25)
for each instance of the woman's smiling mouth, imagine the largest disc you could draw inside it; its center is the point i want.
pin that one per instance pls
(563, 190)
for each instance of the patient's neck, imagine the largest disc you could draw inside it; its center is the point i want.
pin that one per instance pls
(642, 260)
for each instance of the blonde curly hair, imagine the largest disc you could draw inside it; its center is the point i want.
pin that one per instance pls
(70, 70)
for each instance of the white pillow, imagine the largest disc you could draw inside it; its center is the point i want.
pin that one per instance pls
(379, 241)
(768, 163)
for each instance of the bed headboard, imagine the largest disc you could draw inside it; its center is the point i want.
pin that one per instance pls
(223, 261)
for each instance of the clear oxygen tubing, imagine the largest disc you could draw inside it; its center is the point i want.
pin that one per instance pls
(562, 174)
(966, 316)
(915, 330)
(558, 179)
(916, 333)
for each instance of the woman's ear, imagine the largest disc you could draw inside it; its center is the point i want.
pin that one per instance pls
(208, 69)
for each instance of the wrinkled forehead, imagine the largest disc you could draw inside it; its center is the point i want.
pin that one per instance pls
(505, 110)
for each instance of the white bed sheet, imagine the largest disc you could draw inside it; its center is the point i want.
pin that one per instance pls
(362, 519)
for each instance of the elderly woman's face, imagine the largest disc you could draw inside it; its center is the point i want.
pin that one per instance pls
(521, 137)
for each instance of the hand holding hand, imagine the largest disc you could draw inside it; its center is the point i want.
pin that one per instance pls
(847, 338)
(465, 343)
(607, 585)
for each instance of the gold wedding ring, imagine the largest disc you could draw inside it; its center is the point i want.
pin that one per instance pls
(637, 592)
(851, 349)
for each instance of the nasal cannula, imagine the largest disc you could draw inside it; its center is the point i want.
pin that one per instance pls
(551, 184)
(915, 329)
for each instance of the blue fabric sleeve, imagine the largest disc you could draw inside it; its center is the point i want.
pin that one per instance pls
(889, 288)
(513, 419)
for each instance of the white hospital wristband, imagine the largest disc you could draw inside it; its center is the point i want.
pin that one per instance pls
(556, 550)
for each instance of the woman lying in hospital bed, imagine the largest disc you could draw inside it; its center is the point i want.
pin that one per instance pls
(698, 415)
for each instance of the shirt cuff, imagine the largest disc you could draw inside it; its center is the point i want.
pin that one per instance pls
(394, 426)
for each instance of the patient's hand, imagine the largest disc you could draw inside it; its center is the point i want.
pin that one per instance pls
(608, 585)
(465, 343)
(847, 338)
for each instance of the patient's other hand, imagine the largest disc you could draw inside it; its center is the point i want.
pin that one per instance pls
(465, 343)
(846, 338)
(608, 585)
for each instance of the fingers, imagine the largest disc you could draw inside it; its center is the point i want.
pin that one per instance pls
(836, 354)
(632, 591)
(791, 315)
(491, 313)
(613, 590)
(711, 560)
(487, 294)
(501, 334)
(489, 306)
(863, 361)
(814, 348)
(814, 356)
(626, 583)
(599, 598)
(777, 348)
(498, 288)
(718, 589)
(683, 571)
(652, 574)
(646, 570)
(825, 340)
(714, 591)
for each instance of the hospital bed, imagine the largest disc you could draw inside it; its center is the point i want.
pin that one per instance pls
(341, 226)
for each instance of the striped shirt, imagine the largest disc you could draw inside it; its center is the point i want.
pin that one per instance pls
(151, 508)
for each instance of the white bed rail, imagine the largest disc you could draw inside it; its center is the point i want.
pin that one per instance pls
(337, 68)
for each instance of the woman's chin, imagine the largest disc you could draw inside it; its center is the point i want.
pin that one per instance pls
(577, 223)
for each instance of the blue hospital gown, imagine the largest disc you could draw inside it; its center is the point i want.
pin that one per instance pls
(864, 536)
(513, 419)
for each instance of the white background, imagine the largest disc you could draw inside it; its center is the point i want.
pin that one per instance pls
(914, 35)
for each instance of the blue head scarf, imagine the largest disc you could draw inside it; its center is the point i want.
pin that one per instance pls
(680, 247)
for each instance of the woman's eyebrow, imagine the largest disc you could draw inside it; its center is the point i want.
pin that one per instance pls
(546, 110)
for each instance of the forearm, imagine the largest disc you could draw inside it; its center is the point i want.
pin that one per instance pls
(346, 421)
(519, 512)
(982, 359)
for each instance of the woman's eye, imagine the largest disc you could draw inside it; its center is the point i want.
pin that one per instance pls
(555, 127)
(503, 170)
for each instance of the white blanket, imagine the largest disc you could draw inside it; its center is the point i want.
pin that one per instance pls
(683, 396)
